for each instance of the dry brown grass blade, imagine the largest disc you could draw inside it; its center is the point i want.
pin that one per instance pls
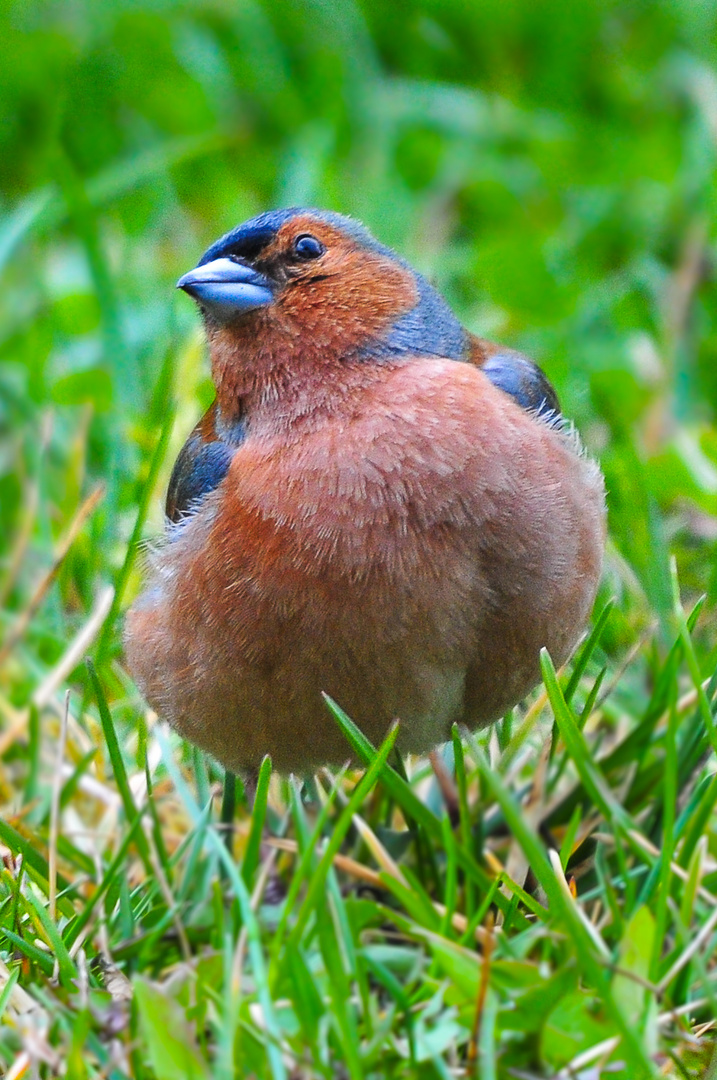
(32, 502)
(43, 695)
(55, 811)
(75, 652)
(379, 852)
(20, 626)
(687, 954)
(341, 862)
(448, 788)
(20, 1067)
(488, 943)
(570, 898)
(17, 723)
(255, 899)
(22, 541)
(627, 659)
(655, 852)
(363, 873)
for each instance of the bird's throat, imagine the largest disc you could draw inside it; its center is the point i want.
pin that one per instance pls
(288, 389)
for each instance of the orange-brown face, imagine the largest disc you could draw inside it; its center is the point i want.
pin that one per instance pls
(338, 285)
(309, 275)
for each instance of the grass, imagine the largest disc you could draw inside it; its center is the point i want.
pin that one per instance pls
(561, 917)
(537, 901)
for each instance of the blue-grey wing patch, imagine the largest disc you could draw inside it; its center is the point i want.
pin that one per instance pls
(199, 469)
(524, 381)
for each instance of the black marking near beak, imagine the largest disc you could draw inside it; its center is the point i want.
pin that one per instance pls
(227, 289)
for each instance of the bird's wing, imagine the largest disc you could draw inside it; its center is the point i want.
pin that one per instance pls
(202, 464)
(517, 375)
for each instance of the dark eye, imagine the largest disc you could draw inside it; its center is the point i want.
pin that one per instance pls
(308, 247)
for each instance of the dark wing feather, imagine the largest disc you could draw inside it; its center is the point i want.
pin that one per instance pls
(202, 464)
(524, 381)
(199, 469)
(517, 376)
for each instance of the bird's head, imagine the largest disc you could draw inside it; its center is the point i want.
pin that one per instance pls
(316, 283)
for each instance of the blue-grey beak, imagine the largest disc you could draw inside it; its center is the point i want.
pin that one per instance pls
(227, 288)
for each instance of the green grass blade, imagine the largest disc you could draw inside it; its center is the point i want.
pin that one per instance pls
(466, 826)
(66, 964)
(691, 658)
(36, 956)
(77, 925)
(410, 804)
(667, 848)
(698, 818)
(396, 785)
(258, 817)
(586, 652)
(249, 920)
(341, 827)
(133, 543)
(8, 989)
(566, 912)
(229, 802)
(306, 867)
(393, 987)
(118, 767)
(593, 781)
(37, 866)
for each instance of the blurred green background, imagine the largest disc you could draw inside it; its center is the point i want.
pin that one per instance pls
(551, 166)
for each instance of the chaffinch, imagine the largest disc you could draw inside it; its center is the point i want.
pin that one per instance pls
(378, 505)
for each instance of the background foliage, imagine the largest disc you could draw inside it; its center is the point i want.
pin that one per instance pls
(552, 168)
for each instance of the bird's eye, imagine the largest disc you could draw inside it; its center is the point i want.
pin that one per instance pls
(308, 247)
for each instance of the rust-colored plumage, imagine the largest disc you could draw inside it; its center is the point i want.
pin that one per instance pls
(378, 505)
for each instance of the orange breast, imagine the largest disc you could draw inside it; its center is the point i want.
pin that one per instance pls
(410, 558)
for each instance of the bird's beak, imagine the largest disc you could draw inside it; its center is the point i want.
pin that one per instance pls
(226, 288)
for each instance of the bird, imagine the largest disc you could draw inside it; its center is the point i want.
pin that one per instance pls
(379, 506)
